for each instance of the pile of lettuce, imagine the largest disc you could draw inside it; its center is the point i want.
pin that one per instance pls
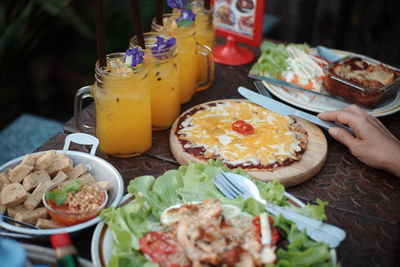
(272, 61)
(194, 183)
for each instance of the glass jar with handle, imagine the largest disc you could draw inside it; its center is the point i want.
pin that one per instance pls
(123, 112)
(188, 49)
(163, 74)
(205, 35)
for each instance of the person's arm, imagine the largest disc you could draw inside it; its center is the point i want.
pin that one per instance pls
(373, 144)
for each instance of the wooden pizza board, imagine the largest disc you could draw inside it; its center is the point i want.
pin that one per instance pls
(310, 164)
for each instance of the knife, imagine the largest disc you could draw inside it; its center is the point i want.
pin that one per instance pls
(283, 109)
(293, 86)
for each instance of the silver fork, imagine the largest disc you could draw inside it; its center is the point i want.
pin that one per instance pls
(234, 185)
(261, 88)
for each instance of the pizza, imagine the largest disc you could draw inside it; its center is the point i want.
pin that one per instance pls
(242, 134)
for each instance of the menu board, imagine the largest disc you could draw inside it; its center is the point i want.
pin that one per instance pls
(240, 18)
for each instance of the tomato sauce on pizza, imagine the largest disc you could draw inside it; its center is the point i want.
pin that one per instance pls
(241, 134)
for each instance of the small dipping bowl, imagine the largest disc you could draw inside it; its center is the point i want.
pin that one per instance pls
(68, 217)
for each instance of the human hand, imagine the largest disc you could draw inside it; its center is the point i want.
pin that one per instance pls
(372, 144)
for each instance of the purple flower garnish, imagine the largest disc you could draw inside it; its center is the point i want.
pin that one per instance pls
(179, 4)
(133, 57)
(161, 45)
(186, 18)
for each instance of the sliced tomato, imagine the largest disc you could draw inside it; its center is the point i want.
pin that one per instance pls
(274, 232)
(157, 246)
(243, 127)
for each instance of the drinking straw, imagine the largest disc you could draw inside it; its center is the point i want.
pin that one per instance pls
(136, 21)
(207, 4)
(159, 12)
(101, 51)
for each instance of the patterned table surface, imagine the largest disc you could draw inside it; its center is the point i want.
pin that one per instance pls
(362, 200)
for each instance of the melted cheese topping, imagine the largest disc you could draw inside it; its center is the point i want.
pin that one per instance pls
(273, 139)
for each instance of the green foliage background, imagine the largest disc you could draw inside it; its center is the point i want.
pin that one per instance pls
(48, 51)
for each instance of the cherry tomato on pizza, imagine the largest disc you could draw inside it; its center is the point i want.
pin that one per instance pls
(243, 127)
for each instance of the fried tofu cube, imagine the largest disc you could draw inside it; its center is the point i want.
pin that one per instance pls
(31, 216)
(19, 172)
(104, 184)
(60, 156)
(60, 177)
(2, 207)
(12, 211)
(86, 179)
(13, 194)
(64, 165)
(36, 197)
(48, 224)
(28, 160)
(77, 171)
(45, 160)
(3, 180)
(34, 179)
(37, 155)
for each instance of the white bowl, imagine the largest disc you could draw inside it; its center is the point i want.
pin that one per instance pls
(100, 169)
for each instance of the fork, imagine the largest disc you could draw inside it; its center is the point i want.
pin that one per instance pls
(261, 88)
(234, 185)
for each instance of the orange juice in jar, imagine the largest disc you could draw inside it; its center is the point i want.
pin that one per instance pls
(163, 74)
(187, 48)
(205, 35)
(123, 112)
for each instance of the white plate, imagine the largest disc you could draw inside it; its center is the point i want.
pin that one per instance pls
(100, 169)
(321, 104)
(103, 242)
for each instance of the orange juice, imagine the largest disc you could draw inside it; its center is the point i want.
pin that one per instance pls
(123, 113)
(163, 71)
(187, 51)
(205, 34)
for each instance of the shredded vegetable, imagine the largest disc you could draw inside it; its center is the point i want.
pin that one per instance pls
(291, 63)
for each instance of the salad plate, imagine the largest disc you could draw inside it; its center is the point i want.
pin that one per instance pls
(321, 104)
(107, 248)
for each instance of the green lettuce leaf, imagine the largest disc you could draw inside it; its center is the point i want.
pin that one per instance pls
(301, 251)
(313, 211)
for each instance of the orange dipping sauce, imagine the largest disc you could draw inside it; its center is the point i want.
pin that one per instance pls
(80, 206)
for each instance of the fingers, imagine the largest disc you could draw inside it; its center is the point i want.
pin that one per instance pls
(371, 119)
(356, 110)
(343, 137)
(341, 116)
